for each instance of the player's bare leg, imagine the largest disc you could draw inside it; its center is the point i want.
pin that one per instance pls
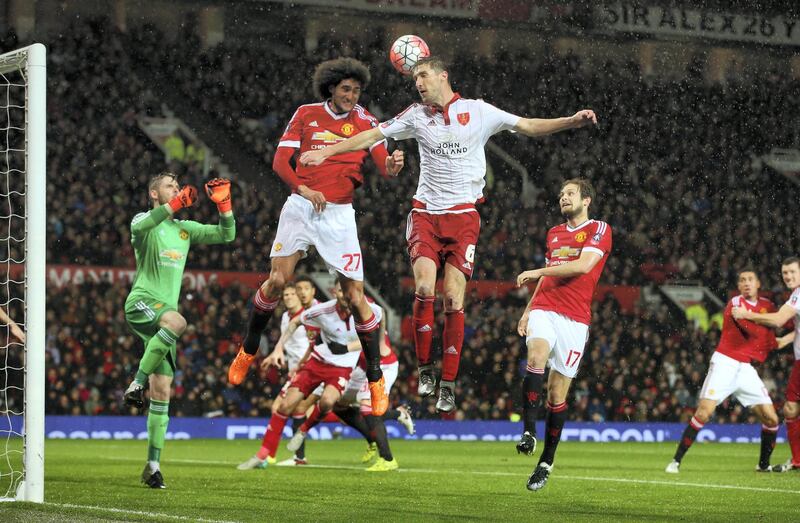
(424, 320)
(769, 432)
(157, 422)
(705, 409)
(791, 415)
(368, 329)
(264, 303)
(532, 385)
(557, 389)
(455, 285)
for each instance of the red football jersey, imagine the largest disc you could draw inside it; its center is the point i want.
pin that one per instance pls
(572, 297)
(315, 126)
(745, 340)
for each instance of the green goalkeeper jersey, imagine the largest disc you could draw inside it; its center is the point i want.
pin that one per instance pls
(161, 246)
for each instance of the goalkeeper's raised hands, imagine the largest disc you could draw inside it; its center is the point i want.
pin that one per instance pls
(219, 190)
(185, 198)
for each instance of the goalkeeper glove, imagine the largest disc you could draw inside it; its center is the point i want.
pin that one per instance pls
(185, 198)
(219, 190)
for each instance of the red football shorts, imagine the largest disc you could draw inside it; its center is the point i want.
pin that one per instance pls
(444, 238)
(314, 372)
(793, 388)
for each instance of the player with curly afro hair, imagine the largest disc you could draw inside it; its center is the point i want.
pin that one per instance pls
(330, 73)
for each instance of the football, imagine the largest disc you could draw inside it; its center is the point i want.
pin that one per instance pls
(405, 52)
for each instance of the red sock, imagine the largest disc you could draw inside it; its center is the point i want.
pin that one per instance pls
(272, 436)
(331, 418)
(452, 341)
(312, 420)
(423, 327)
(793, 435)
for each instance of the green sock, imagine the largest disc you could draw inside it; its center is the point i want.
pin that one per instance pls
(154, 353)
(157, 421)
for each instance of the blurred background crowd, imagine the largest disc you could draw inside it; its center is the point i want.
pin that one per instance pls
(675, 161)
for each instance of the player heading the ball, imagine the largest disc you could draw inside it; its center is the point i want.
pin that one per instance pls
(443, 226)
(319, 212)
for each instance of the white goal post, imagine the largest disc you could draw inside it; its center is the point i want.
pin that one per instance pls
(23, 168)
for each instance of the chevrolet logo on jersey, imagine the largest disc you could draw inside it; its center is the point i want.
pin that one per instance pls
(326, 137)
(172, 254)
(565, 252)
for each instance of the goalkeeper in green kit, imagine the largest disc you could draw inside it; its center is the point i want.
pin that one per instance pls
(161, 245)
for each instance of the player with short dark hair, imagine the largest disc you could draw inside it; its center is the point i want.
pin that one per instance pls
(319, 211)
(742, 346)
(556, 320)
(161, 245)
(444, 223)
(790, 270)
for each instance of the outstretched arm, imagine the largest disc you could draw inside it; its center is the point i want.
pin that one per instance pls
(544, 126)
(582, 265)
(362, 140)
(12, 326)
(770, 319)
(522, 324)
(785, 340)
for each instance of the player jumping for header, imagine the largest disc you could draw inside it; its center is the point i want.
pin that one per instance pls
(320, 213)
(444, 224)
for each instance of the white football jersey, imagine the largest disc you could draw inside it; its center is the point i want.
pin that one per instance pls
(451, 142)
(325, 317)
(297, 344)
(794, 302)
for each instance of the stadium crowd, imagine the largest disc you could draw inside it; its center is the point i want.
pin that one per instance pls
(646, 367)
(685, 193)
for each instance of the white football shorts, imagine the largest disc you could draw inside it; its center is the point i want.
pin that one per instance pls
(566, 337)
(728, 376)
(332, 232)
(358, 387)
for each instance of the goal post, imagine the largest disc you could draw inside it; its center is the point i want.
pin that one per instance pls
(23, 76)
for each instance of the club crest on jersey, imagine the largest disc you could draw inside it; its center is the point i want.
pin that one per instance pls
(463, 118)
(278, 247)
(763, 310)
(158, 306)
(580, 237)
(184, 235)
(347, 129)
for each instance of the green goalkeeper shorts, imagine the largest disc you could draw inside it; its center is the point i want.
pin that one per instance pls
(143, 316)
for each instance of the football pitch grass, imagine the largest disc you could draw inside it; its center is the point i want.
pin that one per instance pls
(91, 480)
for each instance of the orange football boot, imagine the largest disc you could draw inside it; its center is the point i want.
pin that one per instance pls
(378, 397)
(237, 372)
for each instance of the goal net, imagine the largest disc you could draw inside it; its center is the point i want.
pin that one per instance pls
(22, 272)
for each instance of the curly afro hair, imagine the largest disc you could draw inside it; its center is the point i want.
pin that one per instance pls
(330, 72)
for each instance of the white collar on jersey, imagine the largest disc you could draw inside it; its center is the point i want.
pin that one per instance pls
(327, 104)
(581, 226)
